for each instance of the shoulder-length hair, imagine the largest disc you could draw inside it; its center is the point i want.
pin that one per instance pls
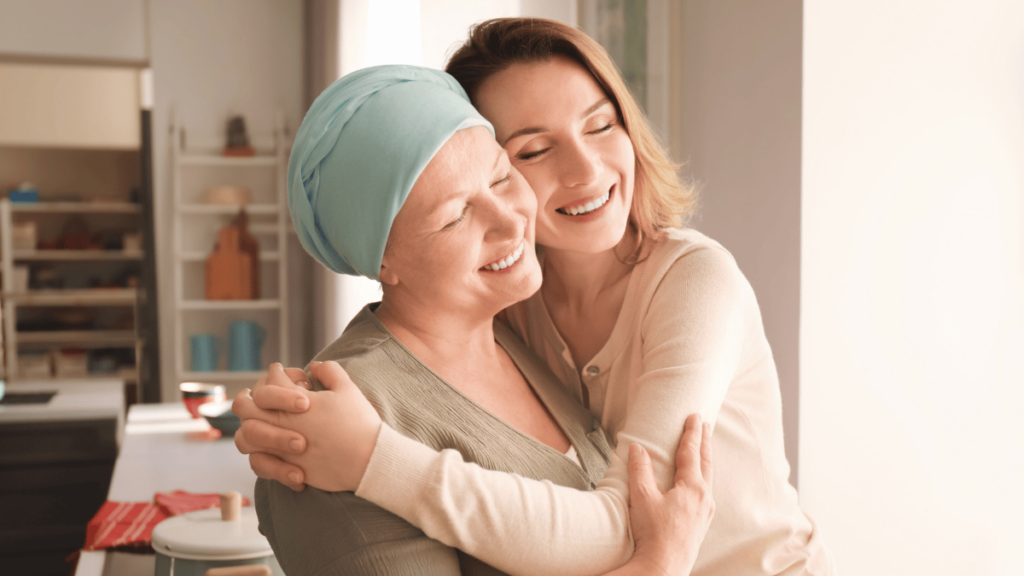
(660, 199)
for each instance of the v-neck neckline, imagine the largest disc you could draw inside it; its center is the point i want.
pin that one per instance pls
(541, 394)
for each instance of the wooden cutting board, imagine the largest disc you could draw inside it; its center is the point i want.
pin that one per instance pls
(248, 245)
(228, 269)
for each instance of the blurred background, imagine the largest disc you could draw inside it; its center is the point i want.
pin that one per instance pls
(864, 162)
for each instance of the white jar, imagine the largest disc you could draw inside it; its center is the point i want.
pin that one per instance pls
(192, 543)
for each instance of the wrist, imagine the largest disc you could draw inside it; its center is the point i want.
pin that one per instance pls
(368, 447)
(664, 560)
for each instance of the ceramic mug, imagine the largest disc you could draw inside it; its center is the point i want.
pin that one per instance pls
(245, 341)
(205, 349)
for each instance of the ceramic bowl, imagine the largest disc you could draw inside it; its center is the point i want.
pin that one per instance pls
(220, 416)
(195, 394)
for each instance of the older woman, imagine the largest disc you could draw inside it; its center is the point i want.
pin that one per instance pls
(383, 162)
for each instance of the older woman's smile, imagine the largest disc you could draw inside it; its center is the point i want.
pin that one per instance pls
(507, 261)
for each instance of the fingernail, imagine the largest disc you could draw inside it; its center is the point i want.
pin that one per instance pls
(635, 449)
(295, 477)
(301, 403)
(296, 446)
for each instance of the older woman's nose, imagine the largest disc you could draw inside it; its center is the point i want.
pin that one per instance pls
(578, 165)
(506, 221)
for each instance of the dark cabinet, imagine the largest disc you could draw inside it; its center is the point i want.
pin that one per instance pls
(53, 477)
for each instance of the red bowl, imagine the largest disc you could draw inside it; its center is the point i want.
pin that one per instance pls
(195, 394)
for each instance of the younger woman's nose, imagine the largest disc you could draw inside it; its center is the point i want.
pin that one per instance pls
(579, 165)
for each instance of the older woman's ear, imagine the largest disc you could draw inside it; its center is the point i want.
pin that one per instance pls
(387, 274)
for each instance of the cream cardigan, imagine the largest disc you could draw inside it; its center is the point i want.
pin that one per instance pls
(688, 339)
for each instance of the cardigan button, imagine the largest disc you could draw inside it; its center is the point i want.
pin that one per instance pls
(593, 370)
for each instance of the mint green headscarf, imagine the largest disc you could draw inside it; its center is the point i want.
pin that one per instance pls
(360, 149)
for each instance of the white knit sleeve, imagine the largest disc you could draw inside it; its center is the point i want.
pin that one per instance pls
(694, 335)
(516, 524)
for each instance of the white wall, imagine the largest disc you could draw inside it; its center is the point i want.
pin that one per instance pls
(211, 60)
(735, 120)
(912, 331)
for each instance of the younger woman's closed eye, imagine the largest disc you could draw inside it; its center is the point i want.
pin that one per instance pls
(531, 155)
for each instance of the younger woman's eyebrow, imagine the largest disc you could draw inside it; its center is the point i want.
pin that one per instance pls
(538, 130)
(595, 107)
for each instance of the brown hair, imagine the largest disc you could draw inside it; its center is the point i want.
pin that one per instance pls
(660, 199)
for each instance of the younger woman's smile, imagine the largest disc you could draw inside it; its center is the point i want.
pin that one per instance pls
(586, 206)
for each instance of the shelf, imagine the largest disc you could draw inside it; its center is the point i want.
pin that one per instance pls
(227, 161)
(70, 255)
(101, 297)
(256, 228)
(231, 209)
(77, 207)
(126, 374)
(229, 304)
(198, 256)
(221, 376)
(193, 171)
(80, 338)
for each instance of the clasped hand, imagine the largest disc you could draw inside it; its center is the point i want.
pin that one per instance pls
(298, 436)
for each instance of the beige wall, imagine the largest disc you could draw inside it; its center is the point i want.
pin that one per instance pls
(734, 116)
(97, 30)
(912, 337)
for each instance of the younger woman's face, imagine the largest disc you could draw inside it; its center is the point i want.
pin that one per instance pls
(463, 240)
(564, 136)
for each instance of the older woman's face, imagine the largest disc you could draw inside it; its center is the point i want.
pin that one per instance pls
(565, 137)
(464, 237)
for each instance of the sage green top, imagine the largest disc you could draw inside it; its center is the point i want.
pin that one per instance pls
(337, 533)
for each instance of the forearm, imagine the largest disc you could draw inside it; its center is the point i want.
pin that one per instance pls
(495, 516)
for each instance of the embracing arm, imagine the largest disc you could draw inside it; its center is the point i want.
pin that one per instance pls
(693, 334)
(496, 516)
(337, 452)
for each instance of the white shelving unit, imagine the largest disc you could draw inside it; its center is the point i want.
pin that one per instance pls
(14, 300)
(195, 227)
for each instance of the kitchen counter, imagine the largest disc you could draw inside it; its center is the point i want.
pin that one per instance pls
(76, 399)
(157, 455)
(56, 463)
